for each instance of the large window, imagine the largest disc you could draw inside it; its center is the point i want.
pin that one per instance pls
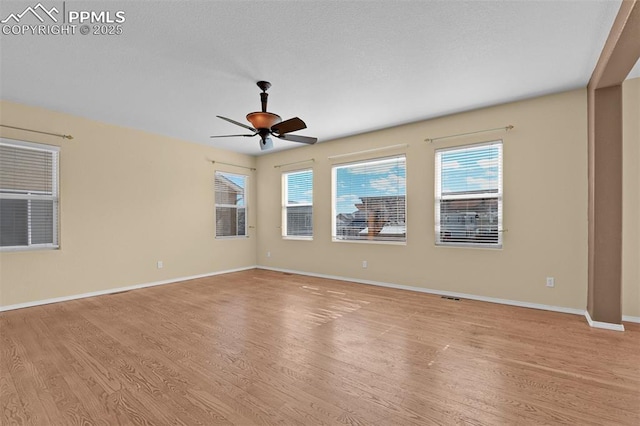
(231, 205)
(469, 195)
(369, 200)
(28, 195)
(297, 208)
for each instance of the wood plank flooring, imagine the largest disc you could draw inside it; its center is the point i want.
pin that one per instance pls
(261, 347)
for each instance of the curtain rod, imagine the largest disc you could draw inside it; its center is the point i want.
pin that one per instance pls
(277, 166)
(234, 165)
(38, 131)
(506, 129)
(384, 148)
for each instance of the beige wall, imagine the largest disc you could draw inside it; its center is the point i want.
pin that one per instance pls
(631, 198)
(545, 208)
(127, 199)
(130, 198)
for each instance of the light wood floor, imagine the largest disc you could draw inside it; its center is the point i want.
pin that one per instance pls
(261, 347)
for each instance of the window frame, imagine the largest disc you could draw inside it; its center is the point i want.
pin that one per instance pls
(233, 206)
(30, 196)
(498, 195)
(286, 205)
(334, 172)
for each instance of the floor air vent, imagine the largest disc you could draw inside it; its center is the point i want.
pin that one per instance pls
(450, 298)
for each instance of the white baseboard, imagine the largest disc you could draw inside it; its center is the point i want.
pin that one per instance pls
(629, 318)
(118, 290)
(605, 325)
(562, 309)
(437, 292)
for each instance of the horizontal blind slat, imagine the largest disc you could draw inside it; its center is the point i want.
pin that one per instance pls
(26, 169)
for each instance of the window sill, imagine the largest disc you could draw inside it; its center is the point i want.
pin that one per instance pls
(232, 237)
(29, 248)
(294, 238)
(390, 243)
(471, 246)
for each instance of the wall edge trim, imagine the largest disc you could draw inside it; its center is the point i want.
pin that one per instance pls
(118, 290)
(517, 303)
(603, 325)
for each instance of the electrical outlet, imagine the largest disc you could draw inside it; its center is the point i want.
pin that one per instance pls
(268, 254)
(160, 264)
(364, 264)
(551, 282)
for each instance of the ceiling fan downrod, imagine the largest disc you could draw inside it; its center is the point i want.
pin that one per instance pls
(264, 86)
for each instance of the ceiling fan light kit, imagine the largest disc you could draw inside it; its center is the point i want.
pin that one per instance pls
(266, 124)
(266, 144)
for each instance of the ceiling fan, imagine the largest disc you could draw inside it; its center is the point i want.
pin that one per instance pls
(266, 124)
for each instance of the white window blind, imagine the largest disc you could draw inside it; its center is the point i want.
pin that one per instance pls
(297, 209)
(28, 195)
(231, 204)
(369, 200)
(469, 195)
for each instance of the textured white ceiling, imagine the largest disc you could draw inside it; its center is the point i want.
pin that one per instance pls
(345, 67)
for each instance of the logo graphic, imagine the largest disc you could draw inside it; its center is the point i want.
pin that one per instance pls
(34, 11)
(39, 20)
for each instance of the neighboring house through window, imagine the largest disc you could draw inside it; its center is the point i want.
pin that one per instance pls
(297, 209)
(369, 200)
(468, 205)
(28, 195)
(231, 206)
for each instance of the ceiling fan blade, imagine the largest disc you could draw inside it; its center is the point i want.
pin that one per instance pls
(297, 138)
(232, 136)
(237, 123)
(288, 126)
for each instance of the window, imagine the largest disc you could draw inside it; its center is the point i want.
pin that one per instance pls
(231, 206)
(297, 209)
(28, 195)
(469, 195)
(369, 200)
